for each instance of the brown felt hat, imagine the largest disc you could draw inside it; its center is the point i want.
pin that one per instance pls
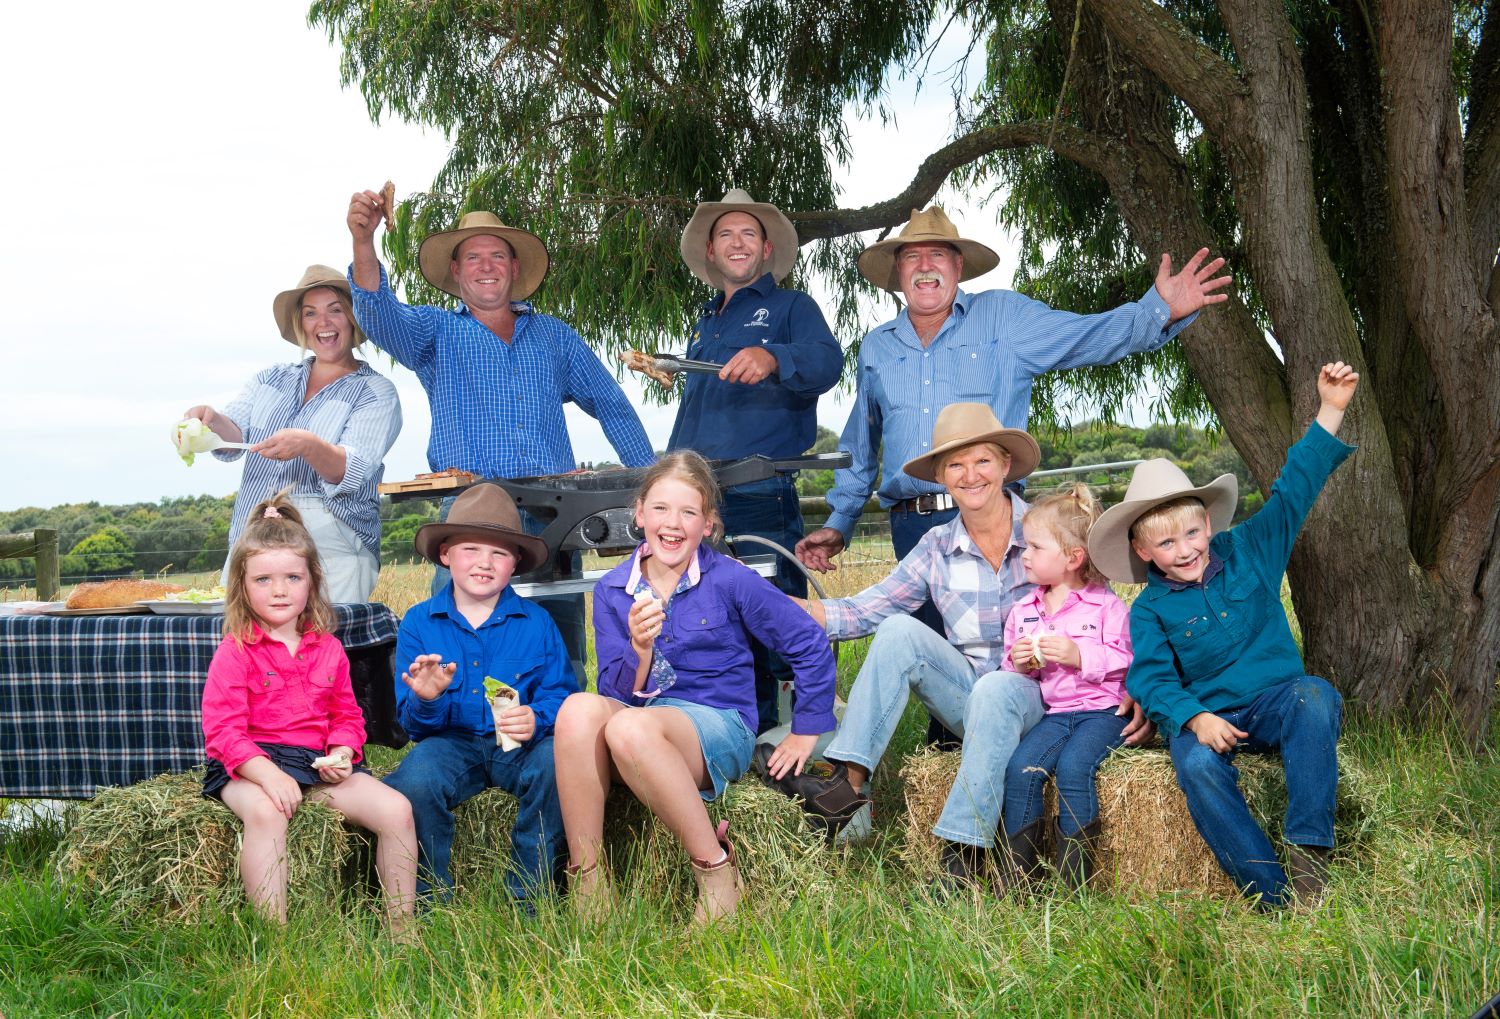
(1153, 484)
(877, 263)
(778, 229)
(287, 305)
(964, 424)
(484, 509)
(436, 254)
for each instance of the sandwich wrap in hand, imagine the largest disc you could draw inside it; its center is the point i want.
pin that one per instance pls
(501, 698)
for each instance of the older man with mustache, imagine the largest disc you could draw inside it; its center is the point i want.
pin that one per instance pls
(949, 346)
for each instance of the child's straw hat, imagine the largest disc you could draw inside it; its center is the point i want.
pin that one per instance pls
(1154, 483)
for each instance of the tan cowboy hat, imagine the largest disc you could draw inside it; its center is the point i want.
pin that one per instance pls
(484, 509)
(288, 304)
(437, 252)
(779, 231)
(963, 424)
(1153, 483)
(877, 263)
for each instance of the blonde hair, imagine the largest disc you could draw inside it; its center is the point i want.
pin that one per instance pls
(1067, 515)
(692, 470)
(1169, 516)
(281, 530)
(301, 334)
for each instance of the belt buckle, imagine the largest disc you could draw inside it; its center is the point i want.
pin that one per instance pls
(918, 509)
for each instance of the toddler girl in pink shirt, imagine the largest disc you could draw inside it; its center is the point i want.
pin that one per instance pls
(1073, 634)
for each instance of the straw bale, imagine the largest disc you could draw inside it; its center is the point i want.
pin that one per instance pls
(481, 836)
(1148, 843)
(160, 846)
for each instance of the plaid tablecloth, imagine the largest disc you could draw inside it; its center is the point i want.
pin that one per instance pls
(89, 701)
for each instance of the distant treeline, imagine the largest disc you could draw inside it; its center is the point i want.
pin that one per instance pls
(190, 534)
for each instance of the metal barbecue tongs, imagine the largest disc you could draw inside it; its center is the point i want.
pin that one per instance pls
(673, 363)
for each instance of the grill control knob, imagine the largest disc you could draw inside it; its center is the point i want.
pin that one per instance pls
(594, 530)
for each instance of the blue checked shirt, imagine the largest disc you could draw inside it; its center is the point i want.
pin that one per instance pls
(988, 351)
(497, 407)
(359, 412)
(947, 567)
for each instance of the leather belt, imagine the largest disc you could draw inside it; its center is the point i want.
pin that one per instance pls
(924, 504)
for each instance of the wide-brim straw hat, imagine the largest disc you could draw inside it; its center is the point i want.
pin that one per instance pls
(484, 509)
(1153, 484)
(964, 424)
(778, 229)
(287, 305)
(435, 257)
(877, 263)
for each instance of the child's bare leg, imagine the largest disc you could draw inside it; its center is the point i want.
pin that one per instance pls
(584, 772)
(372, 804)
(263, 848)
(658, 755)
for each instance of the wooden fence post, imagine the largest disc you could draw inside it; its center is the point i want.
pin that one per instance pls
(40, 544)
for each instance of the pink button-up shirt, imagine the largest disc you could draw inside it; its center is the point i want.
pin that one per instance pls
(1099, 623)
(262, 693)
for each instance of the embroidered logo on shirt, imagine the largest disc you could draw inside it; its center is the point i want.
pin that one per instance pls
(758, 320)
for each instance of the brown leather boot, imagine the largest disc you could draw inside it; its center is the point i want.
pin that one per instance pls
(1023, 851)
(719, 885)
(1075, 854)
(590, 893)
(1307, 867)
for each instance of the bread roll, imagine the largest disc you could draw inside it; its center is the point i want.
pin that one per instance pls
(113, 594)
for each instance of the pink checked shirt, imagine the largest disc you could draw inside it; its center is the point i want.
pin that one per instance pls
(1099, 623)
(261, 693)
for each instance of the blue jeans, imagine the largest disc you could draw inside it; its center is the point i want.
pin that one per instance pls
(442, 771)
(1300, 718)
(906, 530)
(1069, 745)
(991, 712)
(566, 610)
(768, 509)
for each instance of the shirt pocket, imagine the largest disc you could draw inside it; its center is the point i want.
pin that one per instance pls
(1199, 643)
(972, 369)
(1244, 610)
(698, 635)
(523, 675)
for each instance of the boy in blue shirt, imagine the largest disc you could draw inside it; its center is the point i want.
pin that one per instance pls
(1216, 666)
(477, 627)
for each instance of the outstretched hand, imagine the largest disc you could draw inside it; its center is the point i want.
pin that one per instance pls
(1336, 385)
(818, 549)
(428, 676)
(1191, 289)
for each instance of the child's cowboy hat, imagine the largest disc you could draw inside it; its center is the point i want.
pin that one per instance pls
(288, 304)
(877, 263)
(1154, 483)
(963, 424)
(484, 510)
(778, 229)
(437, 251)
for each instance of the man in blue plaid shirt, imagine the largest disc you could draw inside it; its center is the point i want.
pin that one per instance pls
(496, 372)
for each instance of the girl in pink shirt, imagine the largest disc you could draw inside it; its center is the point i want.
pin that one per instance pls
(280, 720)
(1073, 634)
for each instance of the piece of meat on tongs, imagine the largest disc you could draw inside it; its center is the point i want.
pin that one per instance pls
(661, 367)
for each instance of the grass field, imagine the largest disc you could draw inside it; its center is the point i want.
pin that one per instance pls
(1408, 929)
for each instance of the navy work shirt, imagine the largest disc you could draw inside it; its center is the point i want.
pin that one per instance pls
(778, 416)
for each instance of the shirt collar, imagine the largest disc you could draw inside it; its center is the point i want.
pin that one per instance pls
(958, 538)
(633, 578)
(761, 287)
(1093, 594)
(310, 638)
(959, 310)
(517, 307)
(508, 604)
(1215, 564)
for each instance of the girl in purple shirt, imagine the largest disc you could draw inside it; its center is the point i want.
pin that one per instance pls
(675, 713)
(1073, 634)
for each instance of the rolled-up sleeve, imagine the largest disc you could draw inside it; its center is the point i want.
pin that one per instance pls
(367, 436)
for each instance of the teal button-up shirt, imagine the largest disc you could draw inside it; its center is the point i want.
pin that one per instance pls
(1219, 644)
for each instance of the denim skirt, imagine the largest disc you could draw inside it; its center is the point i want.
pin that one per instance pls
(723, 737)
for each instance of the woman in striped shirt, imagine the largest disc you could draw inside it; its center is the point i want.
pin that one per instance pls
(321, 425)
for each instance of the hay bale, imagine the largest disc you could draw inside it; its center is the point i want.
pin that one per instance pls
(481, 837)
(160, 846)
(1148, 842)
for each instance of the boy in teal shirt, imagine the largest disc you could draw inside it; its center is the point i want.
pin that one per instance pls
(1216, 666)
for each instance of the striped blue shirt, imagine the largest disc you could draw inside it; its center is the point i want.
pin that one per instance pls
(497, 407)
(359, 412)
(973, 598)
(989, 350)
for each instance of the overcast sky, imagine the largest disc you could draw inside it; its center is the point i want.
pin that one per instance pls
(172, 167)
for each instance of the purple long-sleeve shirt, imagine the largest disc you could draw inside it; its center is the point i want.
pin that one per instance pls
(707, 640)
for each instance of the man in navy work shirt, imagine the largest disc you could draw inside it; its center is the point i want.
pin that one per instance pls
(779, 357)
(948, 346)
(496, 372)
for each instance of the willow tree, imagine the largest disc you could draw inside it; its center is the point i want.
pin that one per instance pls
(1345, 156)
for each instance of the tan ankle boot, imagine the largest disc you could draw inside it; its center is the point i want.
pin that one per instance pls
(590, 893)
(719, 884)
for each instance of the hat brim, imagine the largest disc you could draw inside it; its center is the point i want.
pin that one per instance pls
(435, 258)
(779, 231)
(286, 305)
(1024, 452)
(530, 550)
(877, 263)
(1109, 538)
